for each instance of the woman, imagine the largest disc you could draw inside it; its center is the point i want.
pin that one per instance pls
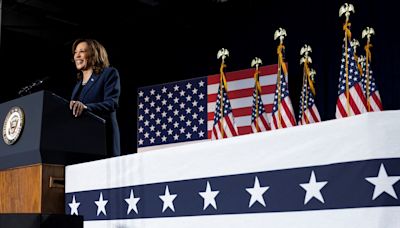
(98, 88)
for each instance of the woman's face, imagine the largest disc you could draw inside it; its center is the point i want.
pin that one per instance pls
(81, 57)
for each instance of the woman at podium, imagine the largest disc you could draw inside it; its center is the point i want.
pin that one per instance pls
(97, 89)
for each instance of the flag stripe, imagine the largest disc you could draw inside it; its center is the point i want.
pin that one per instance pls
(355, 102)
(340, 110)
(305, 119)
(287, 118)
(274, 122)
(375, 102)
(230, 123)
(244, 130)
(369, 81)
(245, 102)
(243, 74)
(313, 112)
(242, 121)
(362, 100)
(262, 123)
(265, 125)
(240, 112)
(242, 93)
(265, 81)
(241, 130)
(311, 115)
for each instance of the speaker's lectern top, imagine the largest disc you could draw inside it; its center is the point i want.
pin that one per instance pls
(47, 132)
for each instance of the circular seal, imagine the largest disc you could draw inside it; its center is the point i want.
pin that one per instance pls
(13, 125)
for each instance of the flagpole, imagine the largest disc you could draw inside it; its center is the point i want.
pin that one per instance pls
(368, 56)
(281, 33)
(347, 72)
(311, 79)
(306, 91)
(346, 9)
(256, 88)
(258, 129)
(256, 62)
(222, 53)
(368, 32)
(354, 44)
(279, 89)
(221, 104)
(306, 76)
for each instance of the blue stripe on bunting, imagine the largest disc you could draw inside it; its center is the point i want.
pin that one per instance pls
(346, 187)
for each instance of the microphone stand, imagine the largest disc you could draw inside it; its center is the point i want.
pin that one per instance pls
(28, 89)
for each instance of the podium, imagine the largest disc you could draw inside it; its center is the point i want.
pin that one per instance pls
(41, 137)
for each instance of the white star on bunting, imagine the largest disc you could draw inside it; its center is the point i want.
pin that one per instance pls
(132, 203)
(101, 205)
(168, 200)
(313, 189)
(383, 183)
(256, 193)
(74, 206)
(209, 197)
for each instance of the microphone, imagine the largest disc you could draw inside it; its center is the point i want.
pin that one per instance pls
(28, 89)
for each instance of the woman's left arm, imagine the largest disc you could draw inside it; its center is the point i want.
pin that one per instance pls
(112, 91)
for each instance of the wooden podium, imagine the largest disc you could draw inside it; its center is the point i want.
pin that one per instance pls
(32, 164)
(32, 189)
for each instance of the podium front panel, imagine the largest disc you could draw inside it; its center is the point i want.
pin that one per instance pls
(26, 149)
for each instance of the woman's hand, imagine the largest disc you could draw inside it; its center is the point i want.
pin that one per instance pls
(77, 107)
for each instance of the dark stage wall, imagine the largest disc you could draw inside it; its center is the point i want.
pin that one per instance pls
(153, 42)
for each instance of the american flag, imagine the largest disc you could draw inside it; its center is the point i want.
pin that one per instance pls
(183, 111)
(282, 112)
(224, 123)
(370, 89)
(308, 112)
(259, 118)
(173, 112)
(355, 103)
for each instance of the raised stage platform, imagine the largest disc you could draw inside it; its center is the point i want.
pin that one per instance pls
(338, 173)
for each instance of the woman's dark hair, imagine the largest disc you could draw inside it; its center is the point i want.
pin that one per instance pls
(98, 57)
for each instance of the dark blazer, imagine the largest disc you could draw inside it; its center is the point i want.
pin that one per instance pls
(101, 95)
